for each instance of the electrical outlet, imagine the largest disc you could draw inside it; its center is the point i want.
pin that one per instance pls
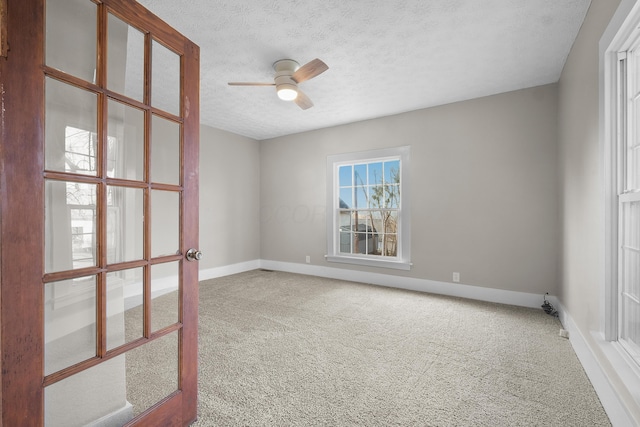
(308, 259)
(456, 277)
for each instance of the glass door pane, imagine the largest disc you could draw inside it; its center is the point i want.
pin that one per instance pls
(125, 224)
(125, 311)
(165, 151)
(165, 223)
(70, 225)
(165, 285)
(71, 37)
(69, 323)
(99, 392)
(125, 60)
(152, 372)
(125, 142)
(165, 79)
(71, 129)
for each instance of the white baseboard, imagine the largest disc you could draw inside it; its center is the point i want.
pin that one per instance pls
(227, 270)
(432, 286)
(613, 406)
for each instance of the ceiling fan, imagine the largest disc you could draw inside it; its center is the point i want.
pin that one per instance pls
(288, 75)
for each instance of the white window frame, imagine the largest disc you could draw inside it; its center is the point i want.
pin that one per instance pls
(403, 259)
(623, 31)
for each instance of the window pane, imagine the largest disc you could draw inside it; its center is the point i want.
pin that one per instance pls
(630, 332)
(390, 219)
(345, 240)
(125, 55)
(360, 175)
(392, 171)
(70, 129)
(346, 219)
(633, 168)
(389, 245)
(376, 197)
(346, 198)
(376, 221)
(165, 151)
(165, 221)
(392, 196)
(164, 292)
(634, 55)
(70, 225)
(390, 230)
(375, 173)
(125, 224)
(125, 145)
(165, 83)
(71, 37)
(345, 174)
(631, 249)
(361, 197)
(69, 323)
(124, 307)
(630, 279)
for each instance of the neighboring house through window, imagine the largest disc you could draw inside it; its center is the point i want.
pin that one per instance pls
(368, 208)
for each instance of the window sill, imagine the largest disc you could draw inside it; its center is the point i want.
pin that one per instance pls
(626, 369)
(397, 265)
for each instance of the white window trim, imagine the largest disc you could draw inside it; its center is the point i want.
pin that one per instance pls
(620, 41)
(619, 35)
(403, 261)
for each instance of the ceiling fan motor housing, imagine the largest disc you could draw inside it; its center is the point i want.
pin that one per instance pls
(286, 87)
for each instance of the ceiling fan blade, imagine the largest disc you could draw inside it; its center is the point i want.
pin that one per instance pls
(303, 100)
(250, 84)
(309, 70)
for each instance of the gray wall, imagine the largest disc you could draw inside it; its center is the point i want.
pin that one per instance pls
(229, 198)
(582, 184)
(581, 171)
(484, 189)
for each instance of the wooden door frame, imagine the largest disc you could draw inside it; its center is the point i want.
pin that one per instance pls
(21, 168)
(22, 225)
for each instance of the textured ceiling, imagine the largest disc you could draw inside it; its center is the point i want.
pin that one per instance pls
(384, 57)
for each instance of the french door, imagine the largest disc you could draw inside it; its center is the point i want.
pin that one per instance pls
(99, 216)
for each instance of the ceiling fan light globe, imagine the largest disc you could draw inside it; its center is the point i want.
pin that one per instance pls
(287, 92)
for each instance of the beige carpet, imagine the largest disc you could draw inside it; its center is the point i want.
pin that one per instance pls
(279, 349)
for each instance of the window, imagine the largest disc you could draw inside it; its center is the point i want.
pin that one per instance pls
(368, 208)
(628, 201)
(622, 163)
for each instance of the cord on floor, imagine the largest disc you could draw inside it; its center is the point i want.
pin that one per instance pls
(548, 308)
